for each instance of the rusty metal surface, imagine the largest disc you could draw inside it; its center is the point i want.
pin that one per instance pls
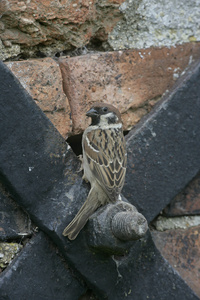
(187, 202)
(182, 250)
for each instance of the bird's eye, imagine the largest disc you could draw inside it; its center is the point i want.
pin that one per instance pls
(105, 109)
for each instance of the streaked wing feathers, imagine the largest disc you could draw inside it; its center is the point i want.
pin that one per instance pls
(106, 155)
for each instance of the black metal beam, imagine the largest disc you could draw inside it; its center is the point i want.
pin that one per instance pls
(38, 272)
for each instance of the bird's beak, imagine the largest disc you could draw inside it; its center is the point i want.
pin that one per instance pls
(91, 113)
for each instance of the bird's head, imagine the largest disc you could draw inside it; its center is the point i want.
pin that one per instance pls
(104, 114)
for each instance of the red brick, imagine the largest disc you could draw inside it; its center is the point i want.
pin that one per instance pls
(132, 80)
(43, 81)
(182, 250)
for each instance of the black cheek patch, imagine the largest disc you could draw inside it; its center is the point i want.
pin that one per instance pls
(112, 120)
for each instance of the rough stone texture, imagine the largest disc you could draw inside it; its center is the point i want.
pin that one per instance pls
(187, 202)
(45, 28)
(14, 222)
(163, 223)
(131, 80)
(163, 150)
(8, 252)
(39, 272)
(182, 250)
(41, 171)
(43, 81)
(51, 26)
(148, 23)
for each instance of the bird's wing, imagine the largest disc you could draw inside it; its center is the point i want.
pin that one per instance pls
(106, 155)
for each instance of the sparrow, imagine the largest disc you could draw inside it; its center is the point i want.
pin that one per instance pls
(104, 163)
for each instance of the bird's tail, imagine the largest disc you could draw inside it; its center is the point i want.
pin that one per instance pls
(79, 221)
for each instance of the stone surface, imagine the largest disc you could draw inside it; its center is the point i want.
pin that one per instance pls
(148, 23)
(14, 222)
(40, 170)
(163, 149)
(182, 250)
(51, 26)
(131, 80)
(39, 272)
(187, 202)
(32, 28)
(163, 223)
(43, 81)
(8, 252)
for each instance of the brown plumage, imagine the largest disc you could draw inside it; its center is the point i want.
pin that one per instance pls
(104, 163)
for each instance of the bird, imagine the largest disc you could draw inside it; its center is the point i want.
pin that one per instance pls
(104, 163)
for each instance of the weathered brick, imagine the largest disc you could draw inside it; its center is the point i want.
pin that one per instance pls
(43, 81)
(132, 80)
(187, 202)
(50, 26)
(182, 250)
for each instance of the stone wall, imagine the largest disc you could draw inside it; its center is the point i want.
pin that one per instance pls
(33, 29)
(156, 23)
